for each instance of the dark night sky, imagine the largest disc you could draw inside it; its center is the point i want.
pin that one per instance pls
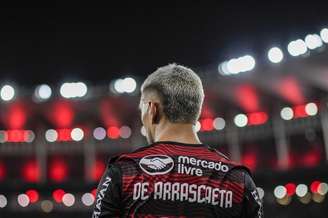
(99, 42)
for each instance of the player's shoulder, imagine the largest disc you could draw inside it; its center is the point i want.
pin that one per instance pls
(235, 167)
(128, 156)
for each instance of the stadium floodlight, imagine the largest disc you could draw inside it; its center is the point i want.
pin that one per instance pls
(280, 192)
(324, 35)
(118, 86)
(287, 113)
(129, 84)
(77, 134)
(238, 65)
(43, 92)
(313, 41)
(3, 201)
(99, 133)
(219, 123)
(7, 93)
(275, 55)
(125, 132)
(223, 68)
(311, 109)
(297, 47)
(301, 190)
(126, 85)
(87, 199)
(23, 200)
(68, 199)
(241, 120)
(51, 135)
(73, 89)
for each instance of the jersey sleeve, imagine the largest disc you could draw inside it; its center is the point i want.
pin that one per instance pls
(252, 204)
(108, 198)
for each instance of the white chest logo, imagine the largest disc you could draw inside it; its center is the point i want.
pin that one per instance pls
(156, 164)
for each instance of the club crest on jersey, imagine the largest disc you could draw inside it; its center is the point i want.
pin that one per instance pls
(156, 164)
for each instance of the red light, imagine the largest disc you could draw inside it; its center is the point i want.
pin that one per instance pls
(289, 89)
(16, 135)
(33, 195)
(206, 124)
(108, 114)
(113, 132)
(250, 160)
(94, 192)
(247, 98)
(58, 171)
(311, 159)
(16, 117)
(62, 114)
(257, 118)
(2, 171)
(299, 111)
(315, 186)
(31, 172)
(58, 195)
(98, 170)
(291, 188)
(206, 111)
(64, 134)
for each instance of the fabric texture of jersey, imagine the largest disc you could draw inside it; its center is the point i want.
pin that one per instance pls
(169, 179)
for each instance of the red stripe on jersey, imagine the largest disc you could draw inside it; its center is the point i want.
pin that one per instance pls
(179, 150)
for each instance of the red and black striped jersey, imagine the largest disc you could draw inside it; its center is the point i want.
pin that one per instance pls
(170, 179)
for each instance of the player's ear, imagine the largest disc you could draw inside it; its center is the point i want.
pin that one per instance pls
(154, 112)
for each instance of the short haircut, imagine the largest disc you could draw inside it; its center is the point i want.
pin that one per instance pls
(180, 90)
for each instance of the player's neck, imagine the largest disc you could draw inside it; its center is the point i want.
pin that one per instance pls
(177, 132)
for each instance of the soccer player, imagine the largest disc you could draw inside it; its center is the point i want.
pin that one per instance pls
(175, 175)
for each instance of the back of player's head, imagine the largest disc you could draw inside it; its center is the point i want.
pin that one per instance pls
(180, 91)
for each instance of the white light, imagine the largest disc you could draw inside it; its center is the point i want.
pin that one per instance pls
(287, 113)
(261, 192)
(88, 199)
(125, 132)
(3, 136)
(7, 93)
(275, 55)
(313, 41)
(68, 199)
(297, 47)
(3, 201)
(323, 188)
(51, 135)
(47, 206)
(324, 35)
(233, 66)
(219, 123)
(241, 120)
(99, 133)
(301, 190)
(118, 85)
(223, 68)
(242, 64)
(129, 85)
(73, 90)
(23, 200)
(43, 92)
(311, 109)
(197, 126)
(280, 192)
(77, 134)
(30, 136)
(143, 131)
